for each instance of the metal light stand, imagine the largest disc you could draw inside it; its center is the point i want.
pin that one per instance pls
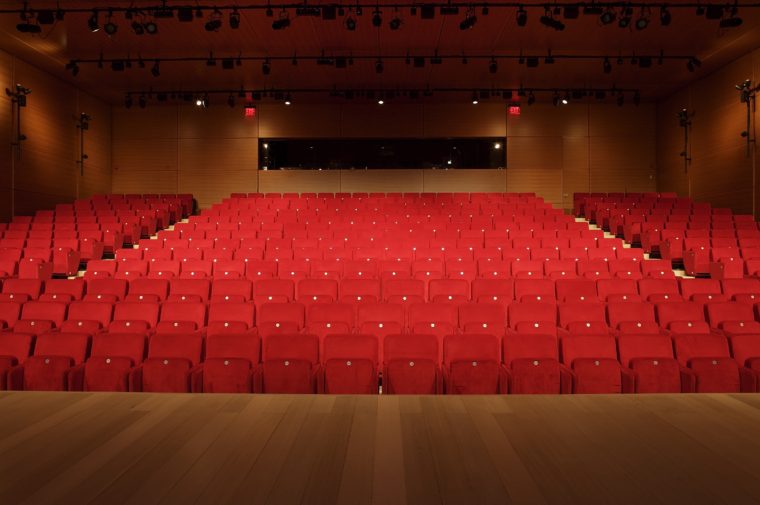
(18, 101)
(684, 121)
(747, 96)
(83, 124)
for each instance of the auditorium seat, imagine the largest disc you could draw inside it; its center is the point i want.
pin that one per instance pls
(404, 291)
(532, 365)
(181, 317)
(583, 319)
(350, 364)
(189, 290)
(482, 318)
(48, 368)
(633, 318)
(653, 363)
(106, 290)
(279, 318)
(87, 317)
(321, 290)
(230, 317)
(40, 317)
(745, 350)
(709, 362)
(9, 314)
(534, 318)
(63, 290)
(411, 364)
(112, 359)
(134, 317)
(438, 319)
(472, 365)
(594, 363)
(170, 362)
(231, 365)
(290, 363)
(14, 349)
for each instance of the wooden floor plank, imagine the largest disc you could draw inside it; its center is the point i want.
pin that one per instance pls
(104, 448)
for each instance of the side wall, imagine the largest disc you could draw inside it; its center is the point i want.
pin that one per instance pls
(551, 151)
(721, 172)
(45, 171)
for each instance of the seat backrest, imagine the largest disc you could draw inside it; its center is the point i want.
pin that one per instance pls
(71, 345)
(127, 345)
(234, 346)
(587, 347)
(137, 311)
(471, 347)
(700, 346)
(529, 347)
(411, 347)
(341, 346)
(290, 346)
(639, 312)
(634, 347)
(282, 312)
(231, 311)
(184, 346)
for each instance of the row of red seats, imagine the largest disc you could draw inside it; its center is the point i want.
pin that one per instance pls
(407, 291)
(352, 364)
(321, 318)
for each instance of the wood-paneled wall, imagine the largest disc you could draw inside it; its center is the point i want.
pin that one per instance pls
(44, 172)
(558, 151)
(721, 172)
(551, 151)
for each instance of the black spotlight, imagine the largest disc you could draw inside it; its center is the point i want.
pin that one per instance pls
(395, 23)
(234, 19)
(377, 19)
(28, 27)
(643, 21)
(522, 16)
(151, 28)
(607, 66)
(156, 70)
(608, 16)
(92, 23)
(110, 27)
(493, 66)
(531, 98)
(266, 67)
(282, 22)
(45, 17)
(625, 18)
(693, 64)
(74, 67)
(128, 102)
(665, 17)
(469, 21)
(555, 99)
(548, 20)
(733, 21)
(350, 24)
(231, 100)
(379, 66)
(142, 102)
(215, 22)
(138, 28)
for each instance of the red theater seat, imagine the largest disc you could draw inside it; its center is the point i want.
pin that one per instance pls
(349, 364)
(290, 364)
(231, 365)
(171, 359)
(532, 364)
(472, 365)
(48, 368)
(595, 367)
(411, 365)
(112, 359)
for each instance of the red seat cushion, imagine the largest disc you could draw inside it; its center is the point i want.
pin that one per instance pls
(410, 377)
(227, 375)
(534, 376)
(288, 376)
(656, 375)
(107, 373)
(46, 373)
(169, 375)
(597, 376)
(716, 375)
(350, 376)
(473, 378)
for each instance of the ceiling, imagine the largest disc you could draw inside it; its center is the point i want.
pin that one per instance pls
(494, 34)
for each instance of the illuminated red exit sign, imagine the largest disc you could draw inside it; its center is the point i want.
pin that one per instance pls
(250, 111)
(514, 110)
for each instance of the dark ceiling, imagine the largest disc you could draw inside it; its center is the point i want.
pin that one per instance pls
(493, 34)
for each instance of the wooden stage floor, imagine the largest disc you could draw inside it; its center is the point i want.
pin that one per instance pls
(80, 448)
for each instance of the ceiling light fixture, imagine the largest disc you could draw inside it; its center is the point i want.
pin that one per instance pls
(92, 22)
(522, 16)
(469, 20)
(234, 19)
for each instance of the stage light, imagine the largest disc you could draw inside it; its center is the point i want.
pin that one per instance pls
(128, 101)
(156, 70)
(282, 22)
(266, 67)
(522, 16)
(142, 102)
(607, 66)
(93, 23)
(643, 21)
(287, 99)
(26, 26)
(608, 16)
(555, 99)
(215, 22)
(548, 20)
(474, 97)
(469, 21)
(199, 102)
(74, 67)
(732, 21)
(350, 24)
(625, 18)
(110, 27)
(234, 19)
(138, 28)
(665, 17)
(377, 19)
(379, 66)
(395, 23)
(497, 145)
(693, 64)
(493, 66)
(151, 28)
(566, 98)
(380, 102)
